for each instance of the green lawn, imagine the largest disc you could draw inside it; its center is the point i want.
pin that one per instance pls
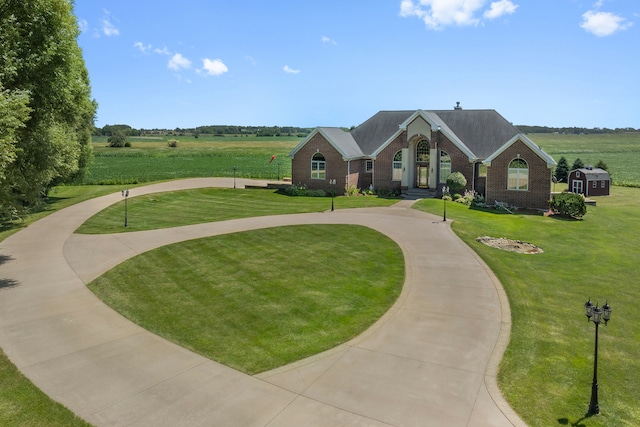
(261, 299)
(172, 209)
(547, 369)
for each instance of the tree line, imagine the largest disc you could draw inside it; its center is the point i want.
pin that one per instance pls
(219, 130)
(46, 109)
(573, 130)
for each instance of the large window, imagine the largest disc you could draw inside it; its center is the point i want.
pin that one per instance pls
(445, 166)
(422, 151)
(318, 167)
(518, 178)
(397, 167)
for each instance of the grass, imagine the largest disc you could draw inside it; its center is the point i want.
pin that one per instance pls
(151, 159)
(149, 212)
(548, 366)
(253, 302)
(621, 152)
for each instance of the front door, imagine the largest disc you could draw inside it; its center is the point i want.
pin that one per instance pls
(423, 176)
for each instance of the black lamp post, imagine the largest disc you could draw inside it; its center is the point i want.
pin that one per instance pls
(125, 194)
(235, 168)
(333, 191)
(596, 315)
(445, 192)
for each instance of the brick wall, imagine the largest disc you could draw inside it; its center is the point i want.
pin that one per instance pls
(384, 164)
(539, 192)
(459, 160)
(336, 168)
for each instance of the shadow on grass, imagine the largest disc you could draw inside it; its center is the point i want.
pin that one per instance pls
(578, 423)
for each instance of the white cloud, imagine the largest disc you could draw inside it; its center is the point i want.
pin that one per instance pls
(327, 40)
(290, 70)
(437, 14)
(500, 8)
(142, 48)
(163, 51)
(108, 29)
(603, 24)
(178, 62)
(83, 25)
(213, 67)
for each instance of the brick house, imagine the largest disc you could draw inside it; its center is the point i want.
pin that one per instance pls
(412, 149)
(589, 181)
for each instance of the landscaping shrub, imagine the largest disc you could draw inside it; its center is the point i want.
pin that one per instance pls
(570, 204)
(456, 182)
(351, 190)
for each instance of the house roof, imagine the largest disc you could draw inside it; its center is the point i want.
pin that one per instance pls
(478, 133)
(594, 174)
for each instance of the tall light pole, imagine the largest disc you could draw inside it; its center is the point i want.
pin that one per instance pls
(596, 315)
(125, 194)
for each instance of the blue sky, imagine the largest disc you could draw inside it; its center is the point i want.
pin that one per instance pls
(337, 62)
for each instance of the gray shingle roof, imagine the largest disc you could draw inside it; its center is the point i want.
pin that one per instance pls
(596, 174)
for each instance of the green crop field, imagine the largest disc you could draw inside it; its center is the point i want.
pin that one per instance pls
(620, 151)
(151, 158)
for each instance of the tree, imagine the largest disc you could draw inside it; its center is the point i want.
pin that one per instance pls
(577, 164)
(562, 170)
(117, 139)
(43, 68)
(602, 165)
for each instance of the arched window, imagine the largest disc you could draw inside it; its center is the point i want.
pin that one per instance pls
(422, 151)
(318, 167)
(445, 166)
(518, 175)
(397, 166)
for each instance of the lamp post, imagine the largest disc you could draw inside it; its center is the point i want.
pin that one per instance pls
(125, 194)
(333, 191)
(235, 168)
(445, 191)
(596, 315)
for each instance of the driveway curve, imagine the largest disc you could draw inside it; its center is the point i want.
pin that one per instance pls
(430, 361)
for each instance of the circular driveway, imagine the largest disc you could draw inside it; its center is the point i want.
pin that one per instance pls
(430, 361)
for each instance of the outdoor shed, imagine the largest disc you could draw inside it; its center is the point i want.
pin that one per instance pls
(589, 181)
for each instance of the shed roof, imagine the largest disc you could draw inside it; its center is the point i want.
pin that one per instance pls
(594, 174)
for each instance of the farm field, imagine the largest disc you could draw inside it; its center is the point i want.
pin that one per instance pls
(621, 152)
(151, 158)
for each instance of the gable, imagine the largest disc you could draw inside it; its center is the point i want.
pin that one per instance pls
(530, 144)
(340, 140)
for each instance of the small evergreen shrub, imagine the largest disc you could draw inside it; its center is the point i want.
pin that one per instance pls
(456, 183)
(570, 204)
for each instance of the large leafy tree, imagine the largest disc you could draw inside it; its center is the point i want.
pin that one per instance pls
(47, 96)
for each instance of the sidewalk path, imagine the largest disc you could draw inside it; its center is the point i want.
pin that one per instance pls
(430, 361)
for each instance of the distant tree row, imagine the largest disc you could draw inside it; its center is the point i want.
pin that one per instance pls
(573, 130)
(110, 130)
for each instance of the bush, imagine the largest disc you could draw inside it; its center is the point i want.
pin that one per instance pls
(569, 204)
(173, 143)
(295, 190)
(456, 182)
(351, 190)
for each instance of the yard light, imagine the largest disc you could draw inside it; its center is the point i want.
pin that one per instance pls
(125, 194)
(333, 191)
(235, 168)
(596, 315)
(445, 192)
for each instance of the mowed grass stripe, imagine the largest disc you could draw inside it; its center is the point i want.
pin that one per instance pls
(261, 299)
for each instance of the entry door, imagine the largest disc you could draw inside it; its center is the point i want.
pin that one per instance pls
(576, 187)
(423, 176)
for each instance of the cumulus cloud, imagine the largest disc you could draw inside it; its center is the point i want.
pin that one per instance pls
(163, 51)
(142, 47)
(213, 67)
(108, 28)
(603, 24)
(327, 40)
(500, 8)
(178, 62)
(83, 25)
(437, 14)
(290, 70)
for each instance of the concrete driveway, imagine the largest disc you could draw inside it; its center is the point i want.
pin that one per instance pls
(430, 361)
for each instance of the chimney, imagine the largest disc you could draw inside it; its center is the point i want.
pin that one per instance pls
(457, 107)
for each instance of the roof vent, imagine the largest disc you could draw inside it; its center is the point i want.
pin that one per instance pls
(457, 107)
